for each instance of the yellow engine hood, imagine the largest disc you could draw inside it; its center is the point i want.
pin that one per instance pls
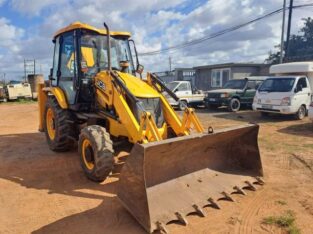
(138, 87)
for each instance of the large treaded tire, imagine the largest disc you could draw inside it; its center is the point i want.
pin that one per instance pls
(100, 161)
(63, 129)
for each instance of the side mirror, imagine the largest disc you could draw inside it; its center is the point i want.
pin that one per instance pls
(175, 90)
(51, 74)
(139, 69)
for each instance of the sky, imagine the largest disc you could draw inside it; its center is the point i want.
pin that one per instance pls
(27, 27)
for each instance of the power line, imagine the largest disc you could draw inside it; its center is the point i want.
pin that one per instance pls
(220, 33)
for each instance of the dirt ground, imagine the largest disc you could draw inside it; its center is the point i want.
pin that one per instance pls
(46, 192)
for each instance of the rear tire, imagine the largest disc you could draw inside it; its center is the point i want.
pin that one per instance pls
(57, 128)
(234, 105)
(300, 113)
(96, 152)
(182, 105)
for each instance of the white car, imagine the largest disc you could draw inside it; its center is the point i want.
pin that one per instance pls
(311, 111)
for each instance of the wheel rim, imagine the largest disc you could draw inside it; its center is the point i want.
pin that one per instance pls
(87, 153)
(50, 123)
(235, 105)
(182, 105)
(301, 112)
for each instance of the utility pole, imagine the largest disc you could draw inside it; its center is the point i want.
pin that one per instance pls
(170, 63)
(34, 67)
(288, 28)
(282, 34)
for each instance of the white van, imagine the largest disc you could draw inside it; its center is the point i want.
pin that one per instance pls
(288, 92)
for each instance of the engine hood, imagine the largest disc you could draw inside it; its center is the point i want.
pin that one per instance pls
(224, 91)
(138, 87)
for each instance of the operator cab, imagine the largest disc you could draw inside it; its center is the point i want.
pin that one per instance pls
(80, 52)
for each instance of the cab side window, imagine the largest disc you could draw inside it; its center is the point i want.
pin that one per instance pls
(182, 87)
(302, 83)
(68, 66)
(56, 61)
(251, 85)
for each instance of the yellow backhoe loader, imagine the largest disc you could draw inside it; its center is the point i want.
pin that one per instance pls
(175, 167)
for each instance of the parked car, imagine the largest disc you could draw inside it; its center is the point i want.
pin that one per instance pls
(234, 93)
(310, 113)
(288, 93)
(187, 96)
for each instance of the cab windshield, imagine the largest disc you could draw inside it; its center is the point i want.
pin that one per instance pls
(235, 84)
(94, 53)
(172, 85)
(277, 85)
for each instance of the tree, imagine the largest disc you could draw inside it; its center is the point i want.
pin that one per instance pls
(300, 46)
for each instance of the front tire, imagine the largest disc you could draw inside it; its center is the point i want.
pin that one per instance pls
(300, 113)
(57, 128)
(96, 152)
(234, 105)
(182, 105)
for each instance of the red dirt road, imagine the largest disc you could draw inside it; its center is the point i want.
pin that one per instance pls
(46, 192)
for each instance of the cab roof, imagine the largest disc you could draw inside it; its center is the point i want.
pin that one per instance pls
(79, 25)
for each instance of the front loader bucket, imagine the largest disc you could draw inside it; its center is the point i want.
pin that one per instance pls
(167, 180)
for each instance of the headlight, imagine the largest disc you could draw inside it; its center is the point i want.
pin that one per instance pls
(285, 101)
(224, 95)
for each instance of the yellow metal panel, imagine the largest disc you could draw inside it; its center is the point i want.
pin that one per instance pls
(138, 87)
(59, 95)
(117, 129)
(77, 25)
(42, 99)
(88, 56)
(104, 90)
(126, 117)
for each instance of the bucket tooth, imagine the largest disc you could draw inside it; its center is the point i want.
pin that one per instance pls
(181, 218)
(239, 190)
(199, 210)
(260, 180)
(214, 203)
(250, 185)
(161, 228)
(227, 196)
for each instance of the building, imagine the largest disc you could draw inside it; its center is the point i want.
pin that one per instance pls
(215, 76)
(166, 76)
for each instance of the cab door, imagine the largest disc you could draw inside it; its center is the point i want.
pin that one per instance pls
(183, 90)
(67, 72)
(249, 92)
(303, 92)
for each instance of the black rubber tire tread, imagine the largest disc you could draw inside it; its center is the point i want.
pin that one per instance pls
(230, 105)
(64, 130)
(102, 146)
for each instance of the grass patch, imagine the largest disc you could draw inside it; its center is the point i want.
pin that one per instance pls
(21, 101)
(310, 146)
(280, 202)
(286, 221)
